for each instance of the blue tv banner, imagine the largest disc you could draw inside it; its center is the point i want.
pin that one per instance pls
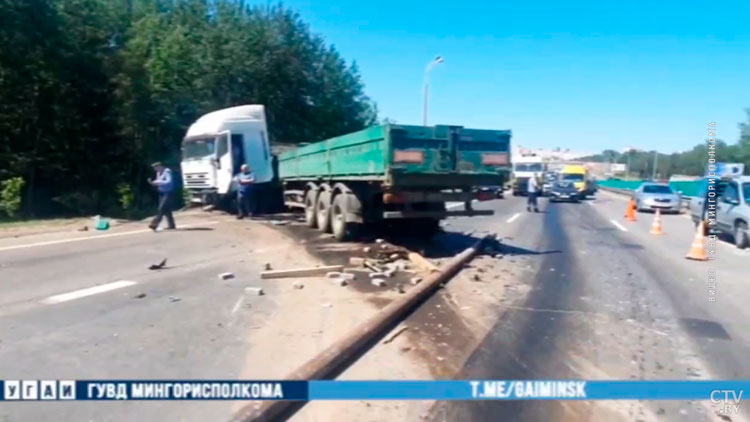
(21, 390)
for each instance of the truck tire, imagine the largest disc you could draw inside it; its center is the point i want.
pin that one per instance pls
(322, 211)
(311, 219)
(740, 235)
(342, 230)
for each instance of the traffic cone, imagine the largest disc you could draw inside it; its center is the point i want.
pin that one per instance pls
(656, 225)
(630, 212)
(698, 249)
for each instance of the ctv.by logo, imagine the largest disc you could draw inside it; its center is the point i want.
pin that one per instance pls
(730, 399)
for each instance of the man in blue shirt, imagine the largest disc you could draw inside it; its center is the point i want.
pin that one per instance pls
(165, 185)
(245, 180)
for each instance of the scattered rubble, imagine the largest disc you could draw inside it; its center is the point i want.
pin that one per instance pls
(357, 261)
(298, 285)
(333, 274)
(347, 276)
(255, 290)
(415, 280)
(340, 282)
(301, 272)
(366, 249)
(159, 265)
(226, 276)
(377, 275)
(379, 282)
(379, 241)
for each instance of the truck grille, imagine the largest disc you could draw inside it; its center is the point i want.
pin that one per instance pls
(197, 180)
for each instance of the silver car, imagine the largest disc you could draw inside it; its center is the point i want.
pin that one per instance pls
(732, 212)
(653, 196)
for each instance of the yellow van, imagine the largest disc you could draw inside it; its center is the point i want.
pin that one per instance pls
(580, 177)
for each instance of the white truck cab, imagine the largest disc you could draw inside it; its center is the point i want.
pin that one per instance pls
(215, 147)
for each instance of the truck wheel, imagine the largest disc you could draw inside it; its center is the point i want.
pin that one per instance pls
(341, 229)
(740, 235)
(310, 215)
(322, 211)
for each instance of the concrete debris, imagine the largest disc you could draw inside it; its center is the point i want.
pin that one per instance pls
(415, 280)
(340, 282)
(476, 277)
(298, 285)
(378, 282)
(159, 265)
(333, 274)
(400, 289)
(366, 249)
(389, 273)
(226, 276)
(373, 267)
(255, 290)
(356, 261)
(377, 275)
(279, 222)
(394, 256)
(347, 276)
(267, 266)
(384, 246)
(301, 272)
(208, 208)
(140, 295)
(379, 241)
(83, 229)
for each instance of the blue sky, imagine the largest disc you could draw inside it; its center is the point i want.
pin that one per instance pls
(583, 75)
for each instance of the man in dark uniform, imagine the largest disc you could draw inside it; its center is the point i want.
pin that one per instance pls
(245, 180)
(165, 185)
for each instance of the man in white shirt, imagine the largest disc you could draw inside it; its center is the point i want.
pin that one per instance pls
(533, 188)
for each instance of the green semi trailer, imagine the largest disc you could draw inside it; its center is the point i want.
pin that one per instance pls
(392, 172)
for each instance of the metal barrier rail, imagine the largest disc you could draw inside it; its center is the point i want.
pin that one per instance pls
(629, 192)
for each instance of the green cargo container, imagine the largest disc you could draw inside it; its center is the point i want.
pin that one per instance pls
(394, 172)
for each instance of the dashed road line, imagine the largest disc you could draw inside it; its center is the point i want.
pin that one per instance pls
(77, 294)
(618, 225)
(95, 237)
(514, 217)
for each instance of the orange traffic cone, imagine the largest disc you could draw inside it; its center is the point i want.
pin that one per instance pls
(698, 249)
(656, 225)
(630, 212)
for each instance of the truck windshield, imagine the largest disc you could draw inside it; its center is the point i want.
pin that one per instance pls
(746, 192)
(529, 167)
(573, 177)
(197, 148)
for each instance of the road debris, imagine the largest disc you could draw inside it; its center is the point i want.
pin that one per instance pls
(366, 249)
(396, 334)
(379, 241)
(301, 272)
(279, 222)
(333, 274)
(421, 262)
(255, 290)
(159, 265)
(379, 282)
(400, 289)
(340, 282)
(226, 276)
(298, 285)
(415, 280)
(267, 266)
(140, 295)
(174, 299)
(83, 229)
(347, 276)
(355, 260)
(376, 275)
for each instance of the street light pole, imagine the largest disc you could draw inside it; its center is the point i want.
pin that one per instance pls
(656, 162)
(436, 61)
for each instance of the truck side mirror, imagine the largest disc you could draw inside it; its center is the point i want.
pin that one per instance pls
(217, 162)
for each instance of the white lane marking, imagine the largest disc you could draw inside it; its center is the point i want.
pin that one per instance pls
(618, 225)
(77, 294)
(513, 218)
(237, 304)
(95, 237)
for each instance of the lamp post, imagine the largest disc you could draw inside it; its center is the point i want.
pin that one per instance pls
(436, 61)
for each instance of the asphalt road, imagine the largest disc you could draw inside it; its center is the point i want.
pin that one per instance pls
(180, 322)
(609, 301)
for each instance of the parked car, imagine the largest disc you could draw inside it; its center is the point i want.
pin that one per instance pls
(564, 190)
(653, 196)
(732, 212)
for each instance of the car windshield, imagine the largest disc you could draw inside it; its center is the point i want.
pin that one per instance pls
(197, 148)
(657, 189)
(746, 192)
(573, 177)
